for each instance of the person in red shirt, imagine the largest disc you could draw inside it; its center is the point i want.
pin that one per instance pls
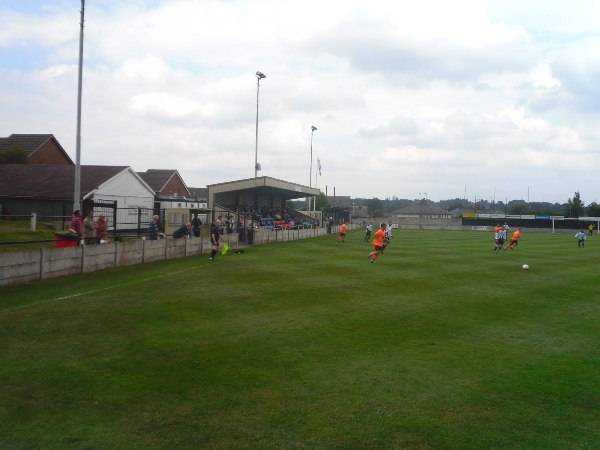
(76, 225)
(102, 229)
(342, 236)
(378, 243)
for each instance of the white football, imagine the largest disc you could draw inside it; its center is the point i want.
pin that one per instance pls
(525, 266)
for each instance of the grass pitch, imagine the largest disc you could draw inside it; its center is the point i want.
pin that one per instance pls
(305, 344)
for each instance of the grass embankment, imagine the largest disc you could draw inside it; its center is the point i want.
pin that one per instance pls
(305, 344)
(20, 231)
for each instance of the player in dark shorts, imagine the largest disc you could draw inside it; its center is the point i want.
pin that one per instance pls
(368, 232)
(215, 236)
(342, 236)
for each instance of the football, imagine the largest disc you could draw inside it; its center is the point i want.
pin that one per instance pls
(525, 266)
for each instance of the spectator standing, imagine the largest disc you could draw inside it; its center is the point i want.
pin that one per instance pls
(154, 228)
(196, 224)
(329, 225)
(89, 228)
(102, 229)
(76, 225)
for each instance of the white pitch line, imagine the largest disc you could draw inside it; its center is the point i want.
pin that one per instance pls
(80, 294)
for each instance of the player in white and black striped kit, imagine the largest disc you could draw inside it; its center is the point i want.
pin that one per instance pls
(388, 235)
(499, 239)
(368, 232)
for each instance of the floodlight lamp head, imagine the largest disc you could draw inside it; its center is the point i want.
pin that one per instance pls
(260, 74)
(313, 128)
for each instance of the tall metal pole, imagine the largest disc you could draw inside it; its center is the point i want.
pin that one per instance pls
(259, 75)
(312, 132)
(77, 190)
(316, 183)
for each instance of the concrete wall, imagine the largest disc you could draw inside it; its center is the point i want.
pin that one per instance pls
(44, 263)
(267, 237)
(416, 223)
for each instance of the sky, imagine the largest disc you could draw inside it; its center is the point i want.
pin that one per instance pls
(496, 100)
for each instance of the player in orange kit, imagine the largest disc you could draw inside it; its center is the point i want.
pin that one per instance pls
(342, 236)
(378, 242)
(514, 239)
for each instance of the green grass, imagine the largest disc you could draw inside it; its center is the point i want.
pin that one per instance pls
(305, 345)
(20, 231)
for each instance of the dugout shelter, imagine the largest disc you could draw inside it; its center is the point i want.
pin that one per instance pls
(256, 193)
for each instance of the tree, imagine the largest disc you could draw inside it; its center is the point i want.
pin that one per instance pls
(321, 202)
(375, 207)
(457, 203)
(593, 210)
(575, 206)
(518, 208)
(13, 156)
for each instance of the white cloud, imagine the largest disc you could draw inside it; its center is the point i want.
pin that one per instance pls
(407, 97)
(161, 105)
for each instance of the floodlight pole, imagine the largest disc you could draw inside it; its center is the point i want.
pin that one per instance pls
(312, 132)
(77, 190)
(259, 75)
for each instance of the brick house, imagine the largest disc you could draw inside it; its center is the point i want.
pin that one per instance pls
(170, 191)
(34, 149)
(48, 190)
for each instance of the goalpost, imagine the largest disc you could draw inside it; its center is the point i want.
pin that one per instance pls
(591, 220)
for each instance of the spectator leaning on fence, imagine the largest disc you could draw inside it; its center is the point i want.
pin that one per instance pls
(89, 228)
(153, 228)
(184, 230)
(102, 229)
(76, 225)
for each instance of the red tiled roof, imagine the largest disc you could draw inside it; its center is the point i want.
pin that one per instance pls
(51, 181)
(157, 178)
(29, 143)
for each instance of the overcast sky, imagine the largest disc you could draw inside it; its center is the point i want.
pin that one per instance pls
(438, 99)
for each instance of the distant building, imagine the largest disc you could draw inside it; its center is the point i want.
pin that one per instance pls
(360, 211)
(458, 212)
(34, 149)
(199, 195)
(340, 201)
(48, 190)
(422, 209)
(170, 190)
